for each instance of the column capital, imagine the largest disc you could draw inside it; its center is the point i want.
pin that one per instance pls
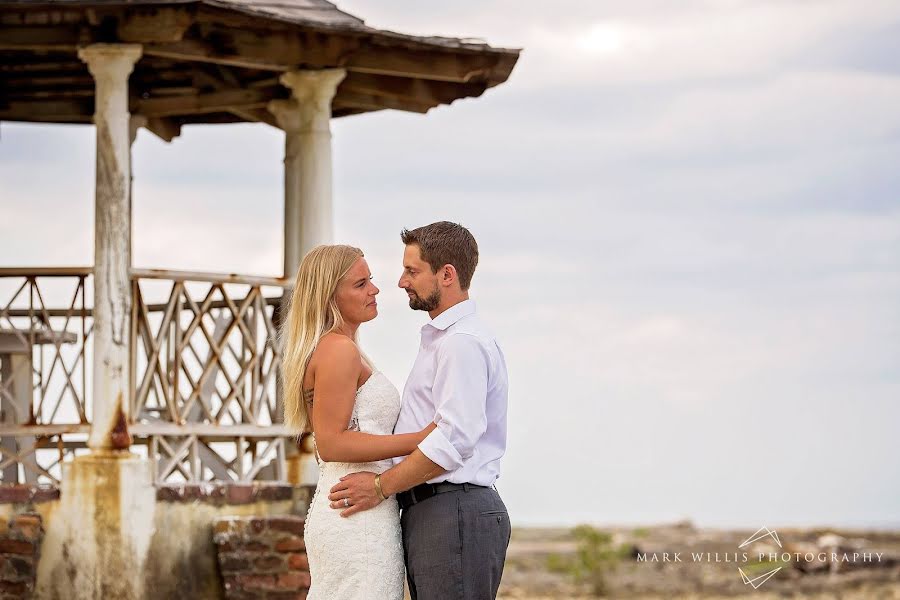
(309, 108)
(110, 59)
(313, 86)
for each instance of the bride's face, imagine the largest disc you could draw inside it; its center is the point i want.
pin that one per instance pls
(355, 294)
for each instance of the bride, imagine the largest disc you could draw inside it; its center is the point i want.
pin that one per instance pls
(331, 388)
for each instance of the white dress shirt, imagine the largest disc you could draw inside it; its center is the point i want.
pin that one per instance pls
(458, 381)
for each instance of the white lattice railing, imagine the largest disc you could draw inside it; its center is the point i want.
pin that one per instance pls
(204, 372)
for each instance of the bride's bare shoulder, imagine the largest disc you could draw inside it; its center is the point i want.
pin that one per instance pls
(333, 348)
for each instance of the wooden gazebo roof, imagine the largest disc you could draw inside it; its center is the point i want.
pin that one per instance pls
(218, 61)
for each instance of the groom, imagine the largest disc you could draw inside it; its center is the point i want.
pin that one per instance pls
(455, 526)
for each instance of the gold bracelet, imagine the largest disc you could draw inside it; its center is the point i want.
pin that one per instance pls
(378, 487)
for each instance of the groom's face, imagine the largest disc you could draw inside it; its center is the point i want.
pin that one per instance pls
(420, 283)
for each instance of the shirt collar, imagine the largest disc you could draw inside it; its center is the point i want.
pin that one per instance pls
(452, 315)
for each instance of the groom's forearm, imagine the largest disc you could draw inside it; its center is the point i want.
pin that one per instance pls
(415, 469)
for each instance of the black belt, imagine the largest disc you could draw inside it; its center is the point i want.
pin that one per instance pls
(424, 491)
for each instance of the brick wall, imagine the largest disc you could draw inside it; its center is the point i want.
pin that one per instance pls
(20, 544)
(262, 557)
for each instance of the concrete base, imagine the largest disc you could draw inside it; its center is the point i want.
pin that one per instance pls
(96, 546)
(302, 469)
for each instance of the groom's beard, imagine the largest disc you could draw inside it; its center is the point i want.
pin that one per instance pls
(416, 302)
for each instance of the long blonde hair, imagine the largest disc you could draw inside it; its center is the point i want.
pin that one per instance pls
(311, 313)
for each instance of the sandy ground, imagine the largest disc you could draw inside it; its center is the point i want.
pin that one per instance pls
(527, 574)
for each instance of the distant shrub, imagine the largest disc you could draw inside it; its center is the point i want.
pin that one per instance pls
(594, 558)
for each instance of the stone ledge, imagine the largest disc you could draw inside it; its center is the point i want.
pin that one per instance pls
(18, 493)
(214, 493)
(225, 493)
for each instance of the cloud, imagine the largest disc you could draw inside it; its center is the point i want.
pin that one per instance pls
(689, 232)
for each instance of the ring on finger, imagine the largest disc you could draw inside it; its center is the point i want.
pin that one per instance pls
(346, 503)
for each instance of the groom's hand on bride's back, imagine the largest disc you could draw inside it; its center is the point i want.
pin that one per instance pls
(359, 491)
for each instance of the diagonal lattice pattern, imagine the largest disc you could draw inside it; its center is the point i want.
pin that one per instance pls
(204, 370)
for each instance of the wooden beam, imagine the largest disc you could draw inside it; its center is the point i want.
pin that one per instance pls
(256, 115)
(348, 111)
(47, 111)
(41, 38)
(46, 271)
(163, 128)
(264, 50)
(408, 88)
(231, 80)
(38, 93)
(173, 275)
(184, 90)
(204, 103)
(202, 78)
(204, 52)
(206, 430)
(220, 77)
(144, 25)
(210, 430)
(373, 102)
(364, 54)
(42, 430)
(285, 50)
(275, 50)
(424, 64)
(140, 25)
(57, 80)
(37, 66)
(503, 68)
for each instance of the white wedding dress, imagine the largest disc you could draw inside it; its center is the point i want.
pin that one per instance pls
(361, 556)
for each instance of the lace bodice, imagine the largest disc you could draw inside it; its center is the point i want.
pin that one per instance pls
(361, 556)
(375, 410)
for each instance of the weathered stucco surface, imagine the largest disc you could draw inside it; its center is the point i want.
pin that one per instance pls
(90, 544)
(98, 537)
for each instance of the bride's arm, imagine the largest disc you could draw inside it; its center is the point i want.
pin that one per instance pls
(334, 393)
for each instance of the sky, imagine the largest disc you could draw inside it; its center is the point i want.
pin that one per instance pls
(689, 222)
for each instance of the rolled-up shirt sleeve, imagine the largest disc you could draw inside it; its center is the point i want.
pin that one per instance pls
(460, 394)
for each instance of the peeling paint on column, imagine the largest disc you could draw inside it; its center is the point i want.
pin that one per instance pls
(110, 65)
(120, 437)
(97, 545)
(112, 226)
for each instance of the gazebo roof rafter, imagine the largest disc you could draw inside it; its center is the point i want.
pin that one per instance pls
(218, 61)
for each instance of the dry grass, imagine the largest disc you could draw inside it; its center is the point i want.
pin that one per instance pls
(527, 575)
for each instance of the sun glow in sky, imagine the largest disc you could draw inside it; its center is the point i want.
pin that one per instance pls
(607, 39)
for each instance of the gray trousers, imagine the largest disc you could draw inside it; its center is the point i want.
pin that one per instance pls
(454, 545)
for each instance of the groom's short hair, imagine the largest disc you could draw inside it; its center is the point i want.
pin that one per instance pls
(446, 243)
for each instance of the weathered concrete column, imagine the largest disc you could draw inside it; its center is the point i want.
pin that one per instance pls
(305, 118)
(97, 544)
(308, 214)
(111, 64)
